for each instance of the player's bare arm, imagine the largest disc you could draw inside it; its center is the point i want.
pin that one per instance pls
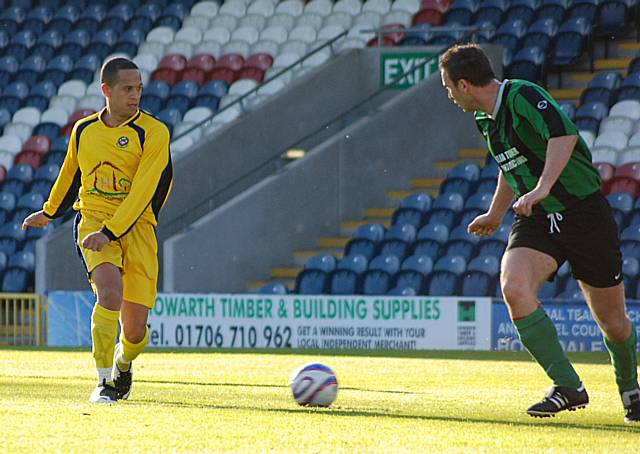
(37, 219)
(559, 151)
(489, 222)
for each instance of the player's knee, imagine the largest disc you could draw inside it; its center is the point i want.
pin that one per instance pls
(617, 329)
(135, 334)
(514, 292)
(110, 298)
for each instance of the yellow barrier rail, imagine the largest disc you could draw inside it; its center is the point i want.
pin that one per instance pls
(21, 319)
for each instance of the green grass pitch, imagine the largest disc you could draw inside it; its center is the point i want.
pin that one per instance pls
(212, 401)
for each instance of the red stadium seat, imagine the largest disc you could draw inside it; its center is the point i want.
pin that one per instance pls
(77, 115)
(625, 185)
(226, 68)
(168, 75)
(428, 16)
(386, 42)
(176, 62)
(630, 170)
(3, 173)
(261, 61)
(29, 157)
(438, 5)
(606, 171)
(39, 144)
(251, 73)
(198, 67)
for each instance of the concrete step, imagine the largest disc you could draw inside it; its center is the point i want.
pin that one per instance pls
(333, 242)
(285, 272)
(472, 153)
(611, 63)
(379, 213)
(626, 49)
(566, 94)
(431, 183)
(448, 164)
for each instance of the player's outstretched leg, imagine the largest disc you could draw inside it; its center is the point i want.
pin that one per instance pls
(125, 353)
(631, 402)
(560, 398)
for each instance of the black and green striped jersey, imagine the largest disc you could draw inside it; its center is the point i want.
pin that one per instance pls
(517, 139)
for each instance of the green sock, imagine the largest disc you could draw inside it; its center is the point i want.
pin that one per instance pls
(539, 336)
(624, 360)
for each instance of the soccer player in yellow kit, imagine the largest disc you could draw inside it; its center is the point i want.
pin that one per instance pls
(117, 174)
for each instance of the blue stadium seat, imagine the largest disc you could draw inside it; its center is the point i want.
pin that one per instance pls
(103, 42)
(40, 232)
(402, 291)
(210, 93)
(420, 36)
(454, 264)
(459, 248)
(487, 185)
(172, 16)
(273, 288)
(91, 18)
(468, 215)
(129, 42)
(312, 282)
(170, 117)
(41, 187)
(21, 172)
(322, 262)
(47, 44)
(37, 19)
(40, 94)
(461, 12)
(491, 11)
(118, 16)
(23, 260)
(5, 117)
(540, 34)
(365, 241)
(509, 33)
(31, 201)
(345, 282)
(479, 200)
(3, 261)
(15, 280)
(621, 204)
(630, 247)
(20, 44)
(630, 88)
(397, 240)
(522, 9)
(13, 231)
(445, 209)
(487, 264)
(64, 18)
(602, 88)
(588, 116)
(353, 262)
(412, 210)
(553, 9)
(11, 18)
(85, 68)
(443, 283)
(58, 69)
(585, 9)
(570, 41)
(5, 37)
(611, 17)
(490, 171)
(182, 95)
(30, 69)
(7, 201)
(457, 185)
(568, 108)
(466, 171)
(528, 64)
(13, 96)
(145, 16)
(412, 279)
(15, 187)
(476, 283)
(430, 238)
(51, 130)
(75, 43)
(8, 68)
(378, 278)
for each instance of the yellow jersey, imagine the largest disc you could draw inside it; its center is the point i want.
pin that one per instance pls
(123, 171)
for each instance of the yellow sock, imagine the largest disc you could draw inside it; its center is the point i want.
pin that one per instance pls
(104, 331)
(130, 351)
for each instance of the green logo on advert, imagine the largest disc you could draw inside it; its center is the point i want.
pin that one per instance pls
(467, 311)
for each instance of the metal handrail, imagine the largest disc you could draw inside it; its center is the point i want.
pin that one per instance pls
(254, 90)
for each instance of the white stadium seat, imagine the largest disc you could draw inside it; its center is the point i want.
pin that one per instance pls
(237, 47)
(233, 8)
(94, 102)
(242, 86)
(65, 102)
(265, 46)
(163, 35)
(225, 21)
(208, 47)
(343, 20)
(330, 31)
(620, 124)
(368, 18)
(285, 59)
(199, 22)
(180, 47)
(294, 47)
(275, 33)
(397, 17)
(272, 87)
(634, 140)
(351, 7)
(629, 155)
(608, 155)
(10, 144)
(615, 139)
(378, 6)
(321, 7)
(74, 87)
(153, 48)
(28, 115)
(145, 61)
(247, 34)
(264, 8)
(303, 33)
(217, 34)
(409, 6)
(311, 19)
(254, 21)
(292, 7)
(20, 130)
(55, 115)
(197, 114)
(284, 20)
(628, 108)
(588, 137)
(206, 9)
(191, 35)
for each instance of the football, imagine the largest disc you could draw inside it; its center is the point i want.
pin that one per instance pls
(314, 385)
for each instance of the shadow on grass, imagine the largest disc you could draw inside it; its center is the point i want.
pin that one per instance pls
(379, 414)
(467, 355)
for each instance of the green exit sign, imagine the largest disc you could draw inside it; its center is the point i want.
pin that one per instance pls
(414, 64)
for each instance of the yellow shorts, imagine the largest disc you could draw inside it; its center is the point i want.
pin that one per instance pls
(135, 253)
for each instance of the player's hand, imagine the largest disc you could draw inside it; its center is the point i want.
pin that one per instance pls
(484, 225)
(37, 219)
(95, 241)
(524, 205)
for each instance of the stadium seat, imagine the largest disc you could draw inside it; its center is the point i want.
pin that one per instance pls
(583, 8)
(102, 43)
(170, 117)
(378, 278)
(182, 95)
(273, 288)
(588, 116)
(397, 240)
(476, 283)
(172, 16)
(226, 67)
(129, 43)
(366, 240)
(75, 43)
(453, 264)
(412, 210)
(491, 11)
(15, 280)
(528, 63)
(570, 41)
(22, 260)
(58, 69)
(443, 283)
(509, 33)
(91, 17)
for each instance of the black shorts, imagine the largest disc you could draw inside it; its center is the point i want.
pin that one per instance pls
(586, 235)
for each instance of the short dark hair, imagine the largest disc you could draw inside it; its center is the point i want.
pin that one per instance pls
(109, 71)
(468, 62)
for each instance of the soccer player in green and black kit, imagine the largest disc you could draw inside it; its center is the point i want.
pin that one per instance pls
(560, 215)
